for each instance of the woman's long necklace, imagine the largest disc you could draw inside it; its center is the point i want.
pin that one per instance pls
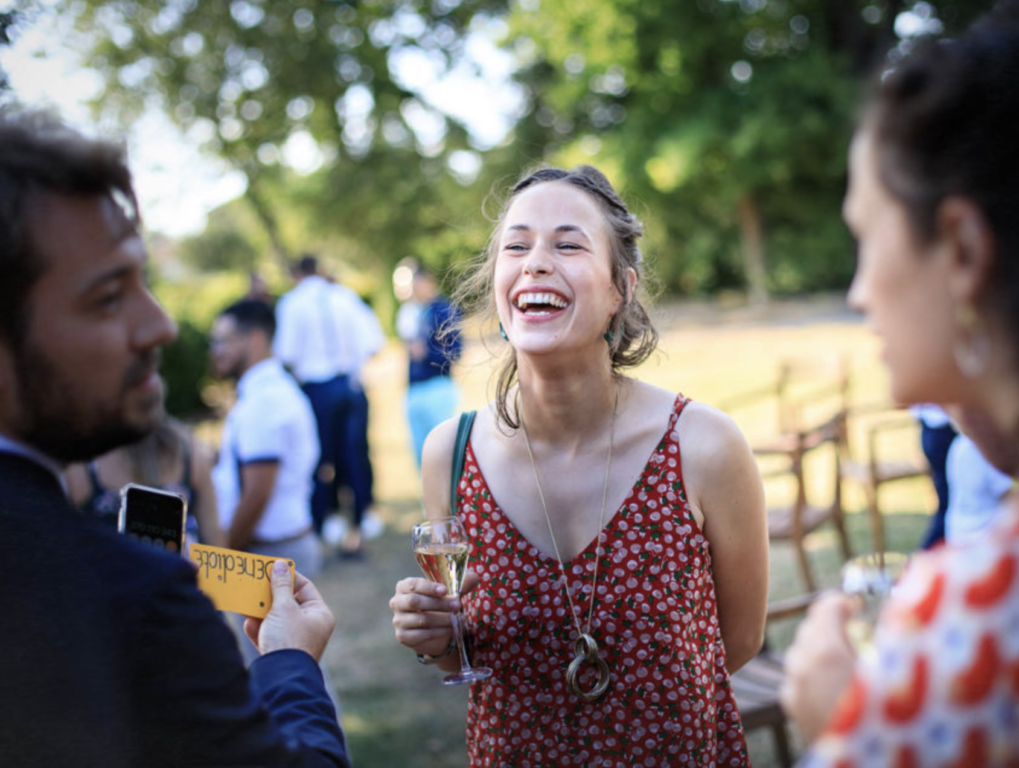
(585, 649)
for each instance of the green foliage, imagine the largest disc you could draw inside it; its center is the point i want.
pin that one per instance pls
(725, 122)
(256, 79)
(7, 21)
(185, 370)
(193, 302)
(230, 241)
(199, 298)
(697, 107)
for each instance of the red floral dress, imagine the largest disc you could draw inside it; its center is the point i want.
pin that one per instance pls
(941, 688)
(655, 620)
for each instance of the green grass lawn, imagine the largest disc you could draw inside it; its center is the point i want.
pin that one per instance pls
(396, 712)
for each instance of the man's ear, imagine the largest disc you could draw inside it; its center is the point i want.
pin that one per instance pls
(969, 247)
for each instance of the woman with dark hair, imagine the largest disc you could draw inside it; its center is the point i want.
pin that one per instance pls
(169, 458)
(933, 201)
(618, 539)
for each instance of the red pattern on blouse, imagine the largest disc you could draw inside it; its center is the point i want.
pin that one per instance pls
(941, 689)
(655, 621)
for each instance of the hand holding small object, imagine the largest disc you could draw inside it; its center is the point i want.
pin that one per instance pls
(299, 618)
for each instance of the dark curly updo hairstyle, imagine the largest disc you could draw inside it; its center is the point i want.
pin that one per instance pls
(945, 122)
(634, 337)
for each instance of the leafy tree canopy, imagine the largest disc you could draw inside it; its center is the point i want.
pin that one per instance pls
(725, 121)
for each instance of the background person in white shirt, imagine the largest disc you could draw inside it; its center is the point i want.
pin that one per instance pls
(267, 453)
(976, 491)
(269, 447)
(323, 336)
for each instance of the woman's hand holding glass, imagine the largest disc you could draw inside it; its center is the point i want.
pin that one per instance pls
(838, 626)
(422, 611)
(441, 548)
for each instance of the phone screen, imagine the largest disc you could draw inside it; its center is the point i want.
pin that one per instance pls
(153, 516)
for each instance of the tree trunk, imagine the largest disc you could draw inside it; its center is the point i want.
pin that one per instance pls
(752, 240)
(265, 215)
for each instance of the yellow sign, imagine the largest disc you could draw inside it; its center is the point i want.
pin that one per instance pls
(235, 581)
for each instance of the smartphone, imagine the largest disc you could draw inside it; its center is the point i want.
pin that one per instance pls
(153, 516)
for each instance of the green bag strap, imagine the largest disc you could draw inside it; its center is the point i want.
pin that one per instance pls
(463, 434)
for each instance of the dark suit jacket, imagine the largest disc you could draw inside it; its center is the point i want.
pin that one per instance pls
(111, 657)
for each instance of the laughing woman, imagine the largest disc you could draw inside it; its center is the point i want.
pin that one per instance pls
(613, 524)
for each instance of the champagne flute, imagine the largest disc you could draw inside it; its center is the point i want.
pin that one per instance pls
(441, 548)
(870, 579)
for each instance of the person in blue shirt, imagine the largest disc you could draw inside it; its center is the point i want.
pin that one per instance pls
(432, 395)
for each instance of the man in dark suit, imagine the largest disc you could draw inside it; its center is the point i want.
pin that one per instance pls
(109, 655)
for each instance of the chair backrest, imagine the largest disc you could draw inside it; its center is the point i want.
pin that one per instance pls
(878, 433)
(803, 392)
(813, 390)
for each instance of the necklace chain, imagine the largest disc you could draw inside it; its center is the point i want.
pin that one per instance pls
(601, 521)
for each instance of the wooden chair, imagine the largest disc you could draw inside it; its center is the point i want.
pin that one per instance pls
(880, 423)
(802, 391)
(792, 522)
(757, 684)
(810, 398)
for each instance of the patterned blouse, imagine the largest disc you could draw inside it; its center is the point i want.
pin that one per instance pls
(655, 621)
(941, 687)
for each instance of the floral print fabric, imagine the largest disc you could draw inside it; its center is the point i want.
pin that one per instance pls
(941, 687)
(655, 621)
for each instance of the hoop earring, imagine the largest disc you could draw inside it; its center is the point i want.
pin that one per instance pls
(971, 348)
(502, 332)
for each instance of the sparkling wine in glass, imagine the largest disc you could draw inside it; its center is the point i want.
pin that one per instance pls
(441, 549)
(870, 579)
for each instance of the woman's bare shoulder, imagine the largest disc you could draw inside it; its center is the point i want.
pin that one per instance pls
(715, 452)
(712, 428)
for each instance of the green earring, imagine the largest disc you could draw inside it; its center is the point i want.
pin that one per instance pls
(609, 336)
(502, 332)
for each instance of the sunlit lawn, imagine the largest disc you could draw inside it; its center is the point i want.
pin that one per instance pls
(396, 713)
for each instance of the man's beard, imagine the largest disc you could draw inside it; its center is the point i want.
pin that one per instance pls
(57, 423)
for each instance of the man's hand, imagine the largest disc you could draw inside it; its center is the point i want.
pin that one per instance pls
(299, 617)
